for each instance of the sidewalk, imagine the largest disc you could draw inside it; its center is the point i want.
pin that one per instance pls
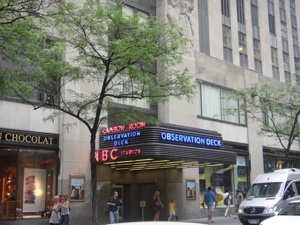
(218, 220)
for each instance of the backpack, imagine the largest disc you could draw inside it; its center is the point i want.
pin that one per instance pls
(226, 200)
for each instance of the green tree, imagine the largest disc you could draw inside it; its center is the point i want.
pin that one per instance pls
(120, 56)
(276, 106)
(17, 27)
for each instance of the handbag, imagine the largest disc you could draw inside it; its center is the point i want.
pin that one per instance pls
(106, 211)
(48, 214)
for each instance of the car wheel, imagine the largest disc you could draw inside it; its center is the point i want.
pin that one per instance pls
(246, 224)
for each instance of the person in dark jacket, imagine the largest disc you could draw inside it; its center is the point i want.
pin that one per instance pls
(114, 204)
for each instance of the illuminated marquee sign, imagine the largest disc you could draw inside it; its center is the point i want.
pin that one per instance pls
(113, 154)
(137, 140)
(190, 139)
(118, 129)
(121, 139)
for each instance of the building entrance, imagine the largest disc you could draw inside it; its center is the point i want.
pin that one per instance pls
(137, 202)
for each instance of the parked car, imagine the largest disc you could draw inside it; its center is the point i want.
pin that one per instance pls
(290, 214)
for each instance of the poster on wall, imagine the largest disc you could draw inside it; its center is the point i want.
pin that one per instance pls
(190, 189)
(77, 187)
(34, 190)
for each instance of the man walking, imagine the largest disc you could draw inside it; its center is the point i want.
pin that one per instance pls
(239, 198)
(209, 198)
(227, 202)
(114, 204)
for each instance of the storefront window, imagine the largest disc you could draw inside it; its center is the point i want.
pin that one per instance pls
(222, 177)
(218, 177)
(27, 182)
(272, 163)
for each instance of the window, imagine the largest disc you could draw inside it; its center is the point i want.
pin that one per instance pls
(297, 63)
(296, 51)
(214, 103)
(275, 72)
(271, 17)
(130, 11)
(258, 66)
(227, 48)
(240, 11)
(272, 24)
(286, 62)
(285, 46)
(125, 87)
(225, 8)
(287, 77)
(282, 11)
(243, 60)
(274, 57)
(227, 54)
(226, 37)
(295, 36)
(256, 46)
(41, 91)
(283, 30)
(254, 14)
(203, 27)
(243, 50)
(27, 182)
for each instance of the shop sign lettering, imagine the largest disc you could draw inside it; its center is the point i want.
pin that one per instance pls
(182, 138)
(121, 139)
(26, 138)
(112, 155)
(118, 129)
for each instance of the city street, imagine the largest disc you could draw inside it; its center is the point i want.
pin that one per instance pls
(218, 221)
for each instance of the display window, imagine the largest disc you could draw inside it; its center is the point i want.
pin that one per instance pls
(219, 177)
(272, 163)
(27, 182)
(222, 177)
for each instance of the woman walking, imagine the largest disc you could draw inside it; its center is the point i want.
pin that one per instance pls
(157, 205)
(54, 216)
(65, 210)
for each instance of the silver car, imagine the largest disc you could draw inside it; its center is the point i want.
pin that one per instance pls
(290, 214)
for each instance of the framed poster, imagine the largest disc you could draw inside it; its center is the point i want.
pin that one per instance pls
(191, 189)
(34, 185)
(77, 182)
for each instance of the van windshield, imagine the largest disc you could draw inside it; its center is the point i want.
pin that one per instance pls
(265, 190)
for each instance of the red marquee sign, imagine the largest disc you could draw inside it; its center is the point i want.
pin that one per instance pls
(117, 129)
(113, 154)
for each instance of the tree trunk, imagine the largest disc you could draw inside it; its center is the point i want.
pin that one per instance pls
(94, 208)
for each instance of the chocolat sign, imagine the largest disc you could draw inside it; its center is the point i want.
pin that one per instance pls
(25, 138)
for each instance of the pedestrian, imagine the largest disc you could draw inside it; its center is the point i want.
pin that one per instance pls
(54, 213)
(227, 202)
(157, 205)
(209, 198)
(64, 207)
(244, 192)
(114, 204)
(172, 210)
(239, 198)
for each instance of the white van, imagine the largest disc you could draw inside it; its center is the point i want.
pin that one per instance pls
(268, 194)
